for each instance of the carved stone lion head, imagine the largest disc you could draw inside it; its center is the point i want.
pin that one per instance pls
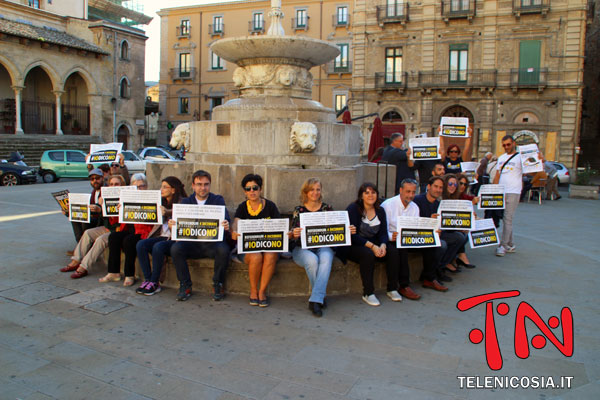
(303, 137)
(181, 137)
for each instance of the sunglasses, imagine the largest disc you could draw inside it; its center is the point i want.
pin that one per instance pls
(462, 183)
(255, 188)
(453, 151)
(452, 184)
(114, 165)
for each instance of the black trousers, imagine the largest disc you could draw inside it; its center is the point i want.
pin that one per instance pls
(432, 257)
(455, 240)
(125, 241)
(397, 269)
(366, 260)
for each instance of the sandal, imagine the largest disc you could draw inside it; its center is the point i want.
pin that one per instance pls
(109, 278)
(129, 281)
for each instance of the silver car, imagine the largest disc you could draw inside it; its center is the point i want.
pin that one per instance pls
(563, 172)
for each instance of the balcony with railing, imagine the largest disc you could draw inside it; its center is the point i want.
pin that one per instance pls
(333, 67)
(392, 13)
(457, 9)
(458, 79)
(532, 78)
(253, 27)
(183, 31)
(300, 24)
(521, 7)
(216, 29)
(183, 74)
(398, 81)
(339, 22)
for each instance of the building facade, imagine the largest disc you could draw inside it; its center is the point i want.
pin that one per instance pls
(512, 67)
(63, 74)
(193, 80)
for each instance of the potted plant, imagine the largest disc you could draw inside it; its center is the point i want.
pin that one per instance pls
(583, 188)
(76, 126)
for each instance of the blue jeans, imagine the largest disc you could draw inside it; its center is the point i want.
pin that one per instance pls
(317, 263)
(156, 246)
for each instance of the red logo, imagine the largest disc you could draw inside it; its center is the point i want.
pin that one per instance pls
(524, 310)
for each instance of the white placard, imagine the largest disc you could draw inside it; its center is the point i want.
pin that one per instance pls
(456, 215)
(198, 223)
(483, 234)
(468, 169)
(530, 159)
(325, 229)
(455, 127)
(140, 207)
(424, 148)
(110, 199)
(417, 232)
(104, 153)
(79, 207)
(491, 197)
(258, 235)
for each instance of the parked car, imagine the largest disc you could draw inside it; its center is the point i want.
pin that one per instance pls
(14, 171)
(563, 172)
(133, 162)
(56, 164)
(156, 153)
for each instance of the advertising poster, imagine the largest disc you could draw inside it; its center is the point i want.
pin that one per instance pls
(455, 127)
(424, 148)
(198, 223)
(456, 215)
(104, 153)
(530, 159)
(62, 198)
(79, 210)
(483, 234)
(140, 207)
(468, 169)
(263, 235)
(110, 199)
(491, 197)
(417, 232)
(325, 229)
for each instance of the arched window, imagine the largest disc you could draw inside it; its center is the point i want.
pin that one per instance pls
(124, 50)
(124, 88)
(391, 116)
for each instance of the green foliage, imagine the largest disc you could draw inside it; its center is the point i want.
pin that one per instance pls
(585, 176)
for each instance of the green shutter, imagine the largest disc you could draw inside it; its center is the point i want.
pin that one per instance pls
(529, 62)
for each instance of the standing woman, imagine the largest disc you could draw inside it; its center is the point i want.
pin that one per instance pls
(453, 160)
(261, 265)
(370, 240)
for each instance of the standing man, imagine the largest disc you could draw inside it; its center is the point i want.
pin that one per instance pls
(394, 154)
(398, 273)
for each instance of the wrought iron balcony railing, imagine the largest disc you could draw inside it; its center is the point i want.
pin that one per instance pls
(454, 9)
(300, 24)
(530, 7)
(333, 67)
(385, 81)
(253, 27)
(183, 31)
(183, 74)
(446, 79)
(392, 13)
(216, 29)
(529, 78)
(337, 21)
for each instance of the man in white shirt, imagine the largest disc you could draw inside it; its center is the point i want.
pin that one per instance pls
(397, 270)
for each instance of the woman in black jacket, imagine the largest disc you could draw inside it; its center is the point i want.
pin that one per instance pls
(370, 240)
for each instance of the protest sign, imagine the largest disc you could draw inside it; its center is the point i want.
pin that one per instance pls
(530, 159)
(424, 148)
(325, 229)
(456, 214)
(263, 235)
(483, 234)
(198, 223)
(491, 197)
(455, 127)
(140, 207)
(417, 232)
(79, 210)
(62, 198)
(110, 199)
(104, 153)
(468, 169)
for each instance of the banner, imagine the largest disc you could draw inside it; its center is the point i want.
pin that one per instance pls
(62, 198)
(140, 207)
(198, 223)
(104, 153)
(417, 232)
(424, 148)
(483, 234)
(530, 159)
(325, 229)
(79, 210)
(455, 127)
(468, 169)
(491, 197)
(263, 235)
(110, 199)
(456, 215)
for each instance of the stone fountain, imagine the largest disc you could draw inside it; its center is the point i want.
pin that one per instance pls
(274, 128)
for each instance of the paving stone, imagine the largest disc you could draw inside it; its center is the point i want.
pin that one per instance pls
(15, 364)
(375, 389)
(290, 391)
(105, 306)
(35, 293)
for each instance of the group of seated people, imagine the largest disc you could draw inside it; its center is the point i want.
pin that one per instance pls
(372, 227)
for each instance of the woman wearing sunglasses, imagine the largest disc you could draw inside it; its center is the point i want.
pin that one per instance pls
(451, 192)
(261, 265)
(453, 159)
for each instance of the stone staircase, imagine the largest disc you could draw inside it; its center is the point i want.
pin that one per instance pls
(32, 146)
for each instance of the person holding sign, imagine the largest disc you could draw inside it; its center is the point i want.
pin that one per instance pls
(91, 247)
(96, 181)
(261, 265)
(397, 270)
(395, 154)
(452, 192)
(119, 168)
(171, 191)
(453, 159)
(369, 243)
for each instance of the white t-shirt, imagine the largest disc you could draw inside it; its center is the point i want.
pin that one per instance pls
(512, 174)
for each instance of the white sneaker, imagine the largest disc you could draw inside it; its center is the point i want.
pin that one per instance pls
(500, 252)
(371, 300)
(394, 295)
(511, 249)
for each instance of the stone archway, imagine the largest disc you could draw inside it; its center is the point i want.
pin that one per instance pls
(75, 108)
(465, 145)
(123, 134)
(7, 101)
(38, 112)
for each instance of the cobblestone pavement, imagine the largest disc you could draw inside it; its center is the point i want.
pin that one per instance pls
(67, 339)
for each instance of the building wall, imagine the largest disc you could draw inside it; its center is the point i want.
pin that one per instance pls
(71, 8)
